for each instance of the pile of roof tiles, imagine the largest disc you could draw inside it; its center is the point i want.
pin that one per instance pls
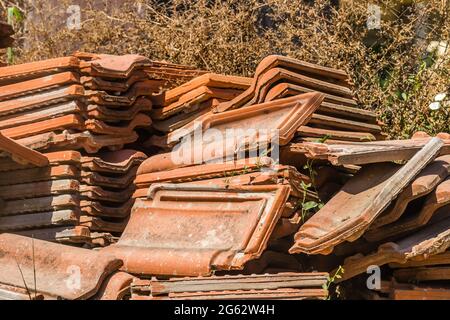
(172, 109)
(218, 219)
(80, 102)
(72, 199)
(70, 108)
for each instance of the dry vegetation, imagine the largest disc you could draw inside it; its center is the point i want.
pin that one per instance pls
(391, 70)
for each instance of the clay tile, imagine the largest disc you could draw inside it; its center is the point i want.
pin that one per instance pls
(218, 242)
(228, 286)
(348, 214)
(37, 69)
(50, 265)
(36, 85)
(21, 153)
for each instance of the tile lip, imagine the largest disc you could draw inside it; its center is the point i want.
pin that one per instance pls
(20, 153)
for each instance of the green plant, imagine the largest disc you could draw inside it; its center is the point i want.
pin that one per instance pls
(14, 16)
(307, 207)
(331, 279)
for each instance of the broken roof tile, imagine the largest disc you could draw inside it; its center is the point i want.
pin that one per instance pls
(95, 208)
(435, 260)
(319, 133)
(283, 294)
(41, 99)
(14, 207)
(120, 182)
(357, 153)
(100, 112)
(89, 142)
(285, 115)
(38, 220)
(39, 174)
(120, 161)
(100, 127)
(213, 80)
(201, 172)
(103, 225)
(334, 103)
(348, 214)
(111, 66)
(38, 189)
(101, 194)
(66, 122)
(191, 101)
(422, 185)
(437, 199)
(37, 115)
(431, 240)
(96, 83)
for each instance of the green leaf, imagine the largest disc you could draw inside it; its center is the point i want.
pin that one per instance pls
(309, 205)
(323, 139)
(404, 96)
(16, 14)
(304, 185)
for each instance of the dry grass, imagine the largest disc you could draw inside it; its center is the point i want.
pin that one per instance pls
(390, 71)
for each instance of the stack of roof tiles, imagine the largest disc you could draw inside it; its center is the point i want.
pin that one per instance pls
(237, 216)
(264, 286)
(389, 215)
(79, 102)
(64, 106)
(215, 219)
(276, 77)
(172, 109)
(72, 199)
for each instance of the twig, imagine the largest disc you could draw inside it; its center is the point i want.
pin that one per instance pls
(23, 279)
(34, 266)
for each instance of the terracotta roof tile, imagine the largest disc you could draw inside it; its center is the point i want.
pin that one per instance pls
(415, 219)
(20, 153)
(347, 215)
(189, 252)
(422, 185)
(52, 261)
(220, 287)
(432, 240)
